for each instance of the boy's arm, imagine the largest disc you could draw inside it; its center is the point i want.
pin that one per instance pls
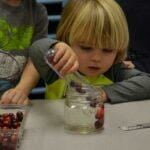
(65, 59)
(36, 52)
(130, 85)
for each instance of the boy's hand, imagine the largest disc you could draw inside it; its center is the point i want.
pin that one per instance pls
(65, 59)
(14, 96)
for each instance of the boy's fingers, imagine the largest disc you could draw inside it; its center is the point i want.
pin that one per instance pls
(68, 65)
(65, 59)
(58, 55)
(73, 68)
(62, 62)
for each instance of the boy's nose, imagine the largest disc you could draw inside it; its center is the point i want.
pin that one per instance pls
(96, 56)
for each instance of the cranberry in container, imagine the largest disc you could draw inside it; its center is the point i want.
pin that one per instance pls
(12, 121)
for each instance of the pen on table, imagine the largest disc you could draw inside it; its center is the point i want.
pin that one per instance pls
(135, 127)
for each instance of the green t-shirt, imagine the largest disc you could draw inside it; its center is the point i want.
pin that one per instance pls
(57, 89)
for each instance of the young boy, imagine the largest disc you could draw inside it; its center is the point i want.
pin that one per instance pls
(97, 31)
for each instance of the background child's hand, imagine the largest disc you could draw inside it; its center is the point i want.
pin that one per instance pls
(14, 96)
(65, 59)
(104, 96)
(128, 64)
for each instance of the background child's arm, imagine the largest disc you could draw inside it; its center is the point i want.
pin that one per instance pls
(129, 85)
(19, 94)
(128, 64)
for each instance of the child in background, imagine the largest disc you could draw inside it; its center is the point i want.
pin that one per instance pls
(97, 31)
(137, 13)
(22, 22)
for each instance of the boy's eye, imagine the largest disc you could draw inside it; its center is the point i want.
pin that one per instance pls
(86, 48)
(107, 50)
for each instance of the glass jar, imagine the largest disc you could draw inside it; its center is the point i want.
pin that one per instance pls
(84, 110)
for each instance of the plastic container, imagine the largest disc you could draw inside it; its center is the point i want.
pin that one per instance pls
(12, 121)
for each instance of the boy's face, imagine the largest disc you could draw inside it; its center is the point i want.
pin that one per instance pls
(93, 61)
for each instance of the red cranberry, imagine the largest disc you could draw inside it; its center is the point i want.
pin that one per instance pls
(7, 123)
(1, 125)
(15, 125)
(98, 124)
(75, 84)
(93, 104)
(1, 118)
(8, 118)
(19, 115)
(50, 59)
(99, 113)
(5, 129)
(93, 101)
(80, 89)
(50, 56)
(5, 115)
(5, 141)
(1, 137)
(11, 115)
(14, 138)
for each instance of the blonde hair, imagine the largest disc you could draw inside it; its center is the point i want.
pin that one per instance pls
(100, 23)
